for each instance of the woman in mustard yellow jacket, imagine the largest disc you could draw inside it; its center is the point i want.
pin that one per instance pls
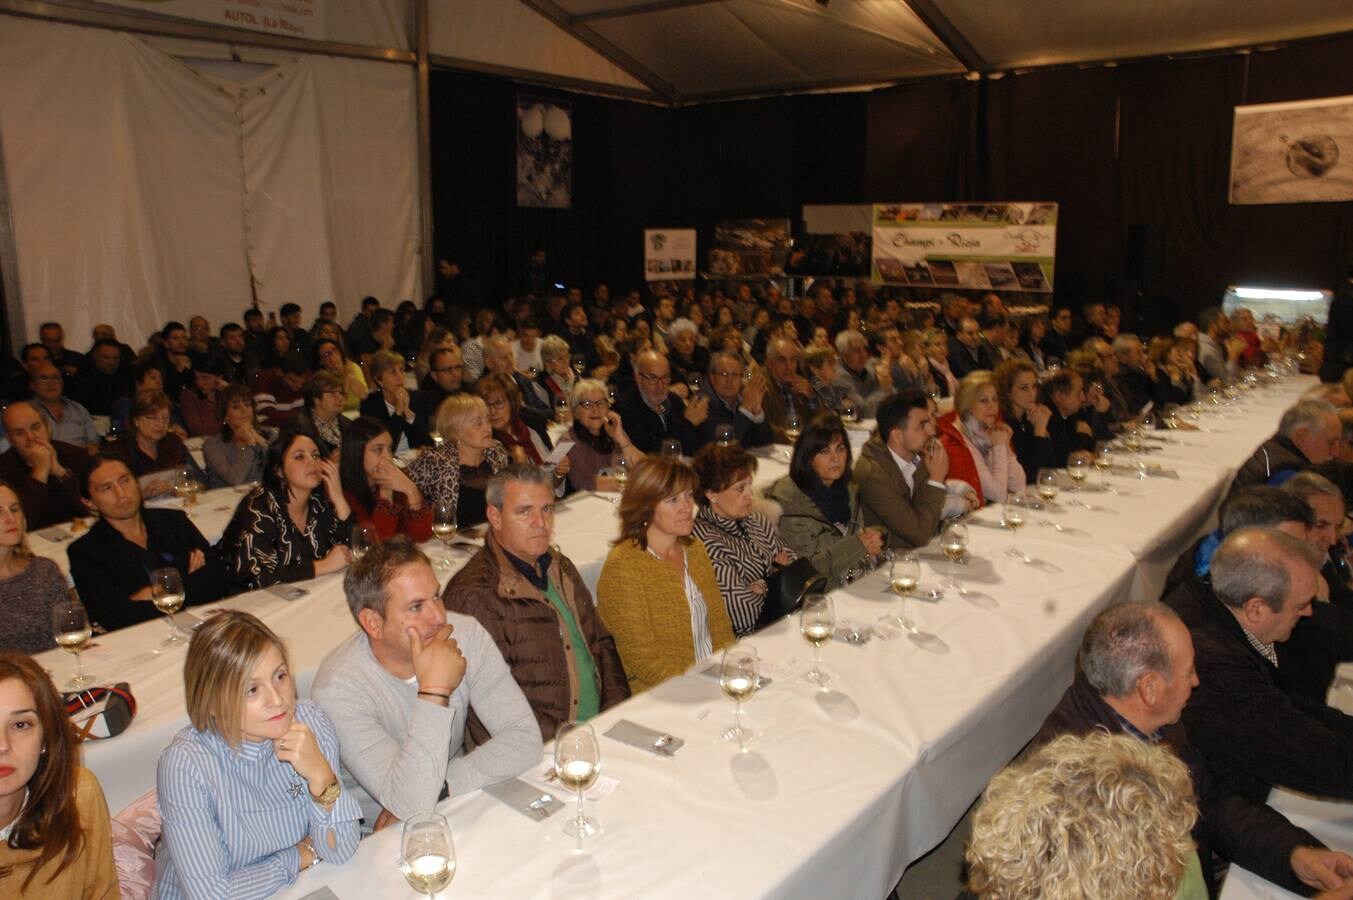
(657, 593)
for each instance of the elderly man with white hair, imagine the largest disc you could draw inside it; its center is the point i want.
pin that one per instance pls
(1308, 433)
(872, 383)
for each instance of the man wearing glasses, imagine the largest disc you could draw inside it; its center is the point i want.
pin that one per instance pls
(652, 414)
(735, 405)
(67, 420)
(787, 391)
(444, 379)
(43, 472)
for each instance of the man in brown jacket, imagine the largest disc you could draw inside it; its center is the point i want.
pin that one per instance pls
(533, 602)
(901, 470)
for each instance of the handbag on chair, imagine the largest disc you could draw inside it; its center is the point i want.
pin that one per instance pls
(785, 589)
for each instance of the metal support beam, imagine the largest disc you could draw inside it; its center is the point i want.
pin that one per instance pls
(15, 335)
(427, 251)
(563, 82)
(605, 48)
(639, 9)
(162, 26)
(928, 11)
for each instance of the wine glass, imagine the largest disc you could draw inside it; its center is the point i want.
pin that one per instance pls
(1015, 513)
(1104, 462)
(611, 395)
(739, 679)
(562, 413)
(1132, 439)
(1047, 485)
(1148, 423)
(849, 413)
(185, 485)
(793, 427)
(904, 576)
(427, 855)
(695, 383)
(577, 762)
(579, 364)
(70, 628)
(437, 439)
(1171, 417)
(1076, 470)
(671, 448)
(166, 592)
(620, 471)
(444, 529)
(725, 435)
(363, 538)
(954, 543)
(817, 623)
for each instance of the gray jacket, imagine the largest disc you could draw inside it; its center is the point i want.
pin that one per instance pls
(808, 533)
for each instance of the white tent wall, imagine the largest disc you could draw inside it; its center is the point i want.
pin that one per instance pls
(141, 190)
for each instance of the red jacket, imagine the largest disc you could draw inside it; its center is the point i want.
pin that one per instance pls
(961, 464)
(393, 517)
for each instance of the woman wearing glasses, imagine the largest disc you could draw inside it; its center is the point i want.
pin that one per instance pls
(154, 451)
(598, 438)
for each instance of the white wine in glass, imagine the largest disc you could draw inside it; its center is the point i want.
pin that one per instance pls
(362, 539)
(1047, 485)
(427, 854)
(621, 472)
(954, 543)
(793, 428)
(444, 530)
(1015, 514)
(817, 623)
(738, 679)
(577, 763)
(185, 486)
(72, 631)
(904, 577)
(167, 593)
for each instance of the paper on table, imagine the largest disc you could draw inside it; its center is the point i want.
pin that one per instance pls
(525, 798)
(600, 789)
(560, 451)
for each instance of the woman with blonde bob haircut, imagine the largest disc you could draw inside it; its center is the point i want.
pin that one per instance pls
(248, 791)
(658, 593)
(1102, 816)
(458, 471)
(979, 442)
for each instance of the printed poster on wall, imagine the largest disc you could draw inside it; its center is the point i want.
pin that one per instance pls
(1298, 152)
(544, 153)
(976, 246)
(295, 18)
(749, 248)
(835, 241)
(669, 254)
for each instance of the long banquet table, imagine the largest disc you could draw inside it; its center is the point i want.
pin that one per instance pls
(844, 787)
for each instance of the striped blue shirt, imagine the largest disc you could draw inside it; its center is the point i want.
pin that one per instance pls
(232, 817)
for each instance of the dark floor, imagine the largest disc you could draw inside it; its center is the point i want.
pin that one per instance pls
(937, 875)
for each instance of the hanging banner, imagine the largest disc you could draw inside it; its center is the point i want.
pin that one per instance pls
(835, 242)
(669, 254)
(295, 18)
(749, 248)
(544, 153)
(977, 246)
(1298, 152)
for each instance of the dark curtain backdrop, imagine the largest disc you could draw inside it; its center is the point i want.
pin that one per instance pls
(1138, 157)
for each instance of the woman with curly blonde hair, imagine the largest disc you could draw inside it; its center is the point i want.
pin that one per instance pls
(1102, 816)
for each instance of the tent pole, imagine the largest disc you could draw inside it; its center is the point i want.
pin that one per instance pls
(427, 255)
(16, 325)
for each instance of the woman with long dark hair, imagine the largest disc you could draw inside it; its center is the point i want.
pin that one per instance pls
(378, 491)
(54, 831)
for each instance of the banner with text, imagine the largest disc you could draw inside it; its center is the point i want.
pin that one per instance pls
(669, 254)
(296, 18)
(977, 246)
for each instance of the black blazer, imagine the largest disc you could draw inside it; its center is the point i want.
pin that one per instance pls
(373, 405)
(648, 429)
(107, 568)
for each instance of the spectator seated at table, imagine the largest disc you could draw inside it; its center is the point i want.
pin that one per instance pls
(1176, 381)
(144, 377)
(684, 352)
(523, 431)
(1326, 502)
(443, 379)
(1028, 418)
(29, 585)
(111, 562)
(296, 525)
(1219, 351)
(1134, 676)
(901, 474)
(533, 602)
(280, 394)
(1103, 816)
(458, 471)
(152, 450)
(820, 513)
(653, 414)
(103, 379)
(198, 403)
(58, 841)
(67, 420)
(742, 544)
(1257, 733)
(599, 438)
(787, 391)
(377, 490)
(823, 366)
(967, 351)
(235, 455)
(1309, 432)
(1078, 420)
(249, 792)
(557, 376)
(171, 357)
(1136, 375)
(330, 357)
(404, 689)
(323, 413)
(238, 362)
(735, 404)
(66, 360)
(658, 592)
(389, 402)
(979, 442)
(44, 472)
(869, 380)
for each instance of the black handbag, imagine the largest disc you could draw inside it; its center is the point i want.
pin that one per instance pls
(785, 588)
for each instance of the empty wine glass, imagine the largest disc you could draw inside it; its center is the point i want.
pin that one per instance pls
(71, 629)
(671, 448)
(362, 539)
(562, 413)
(1015, 513)
(739, 679)
(427, 855)
(577, 762)
(444, 529)
(817, 623)
(954, 543)
(904, 576)
(725, 435)
(167, 593)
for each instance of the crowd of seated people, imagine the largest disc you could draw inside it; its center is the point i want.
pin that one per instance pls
(408, 414)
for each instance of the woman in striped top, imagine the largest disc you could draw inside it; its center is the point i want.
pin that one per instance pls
(248, 792)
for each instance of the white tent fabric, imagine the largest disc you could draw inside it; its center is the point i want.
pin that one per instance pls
(306, 176)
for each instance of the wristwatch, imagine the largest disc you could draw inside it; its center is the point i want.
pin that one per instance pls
(329, 796)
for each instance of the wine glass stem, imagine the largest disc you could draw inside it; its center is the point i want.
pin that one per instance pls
(582, 819)
(817, 662)
(737, 717)
(79, 669)
(173, 624)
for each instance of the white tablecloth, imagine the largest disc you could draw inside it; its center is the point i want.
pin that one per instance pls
(846, 787)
